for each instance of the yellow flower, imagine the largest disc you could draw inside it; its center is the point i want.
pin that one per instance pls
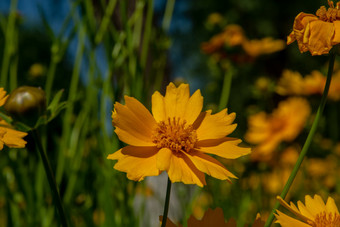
(284, 124)
(268, 45)
(214, 218)
(314, 213)
(176, 139)
(9, 136)
(292, 83)
(317, 34)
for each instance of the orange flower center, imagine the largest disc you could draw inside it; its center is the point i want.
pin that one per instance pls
(330, 15)
(175, 135)
(326, 220)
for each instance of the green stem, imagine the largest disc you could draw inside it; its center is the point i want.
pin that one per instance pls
(147, 34)
(105, 22)
(308, 140)
(170, 4)
(50, 178)
(226, 89)
(9, 45)
(166, 204)
(50, 76)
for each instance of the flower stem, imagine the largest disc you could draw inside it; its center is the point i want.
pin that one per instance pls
(166, 205)
(50, 178)
(226, 89)
(308, 140)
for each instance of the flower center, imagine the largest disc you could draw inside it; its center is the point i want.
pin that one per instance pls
(330, 15)
(175, 135)
(326, 220)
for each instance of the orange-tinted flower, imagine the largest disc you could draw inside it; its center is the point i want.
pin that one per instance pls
(292, 83)
(176, 139)
(313, 213)
(214, 218)
(9, 136)
(317, 33)
(233, 35)
(284, 124)
(255, 48)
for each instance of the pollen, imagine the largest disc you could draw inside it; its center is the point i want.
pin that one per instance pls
(326, 220)
(331, 14)
(176, 135)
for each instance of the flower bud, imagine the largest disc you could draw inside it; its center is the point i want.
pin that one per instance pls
(26, 103)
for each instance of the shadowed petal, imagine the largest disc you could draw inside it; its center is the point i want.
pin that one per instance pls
(224, 147)
(134, 123)
(286, 221)
(182, 169)
(163, 158)
(214, 126)
(193, 107)
(209, 165)
(141, 165)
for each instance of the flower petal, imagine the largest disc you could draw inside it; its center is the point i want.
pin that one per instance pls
(3, 97)
(214, 126)
(331, 206)
(304, 211)
(163, 159)
(13, 138)
(320, 34)
(193, 107)
(158, 108)
(286, 221)
(141, 165)
(134, 123)
(315, 205)
(224, 147)
(336, 37)
(182, 169)
(175, 100)
(209, 165)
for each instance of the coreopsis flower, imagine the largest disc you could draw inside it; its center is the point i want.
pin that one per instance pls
(214, 218)
(9, 136)
(267, 131)
(177, 138)
(233, 35)
(255, 48)
(313, 213)
(317, 33)
(292, 83)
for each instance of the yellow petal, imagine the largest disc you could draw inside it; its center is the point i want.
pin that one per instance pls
(158, 108)
(336, 37)
(286, 221)
(164, 159)
(182, 169)
(175, 100)
(319, 41)
(331, 206)
(193, 107)
(304, 211)
(134, 123)
(209, 165)
(314, 205)
(137, 167)
(225, 147)
(13, 138)
(214, 126)
(3, 97)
